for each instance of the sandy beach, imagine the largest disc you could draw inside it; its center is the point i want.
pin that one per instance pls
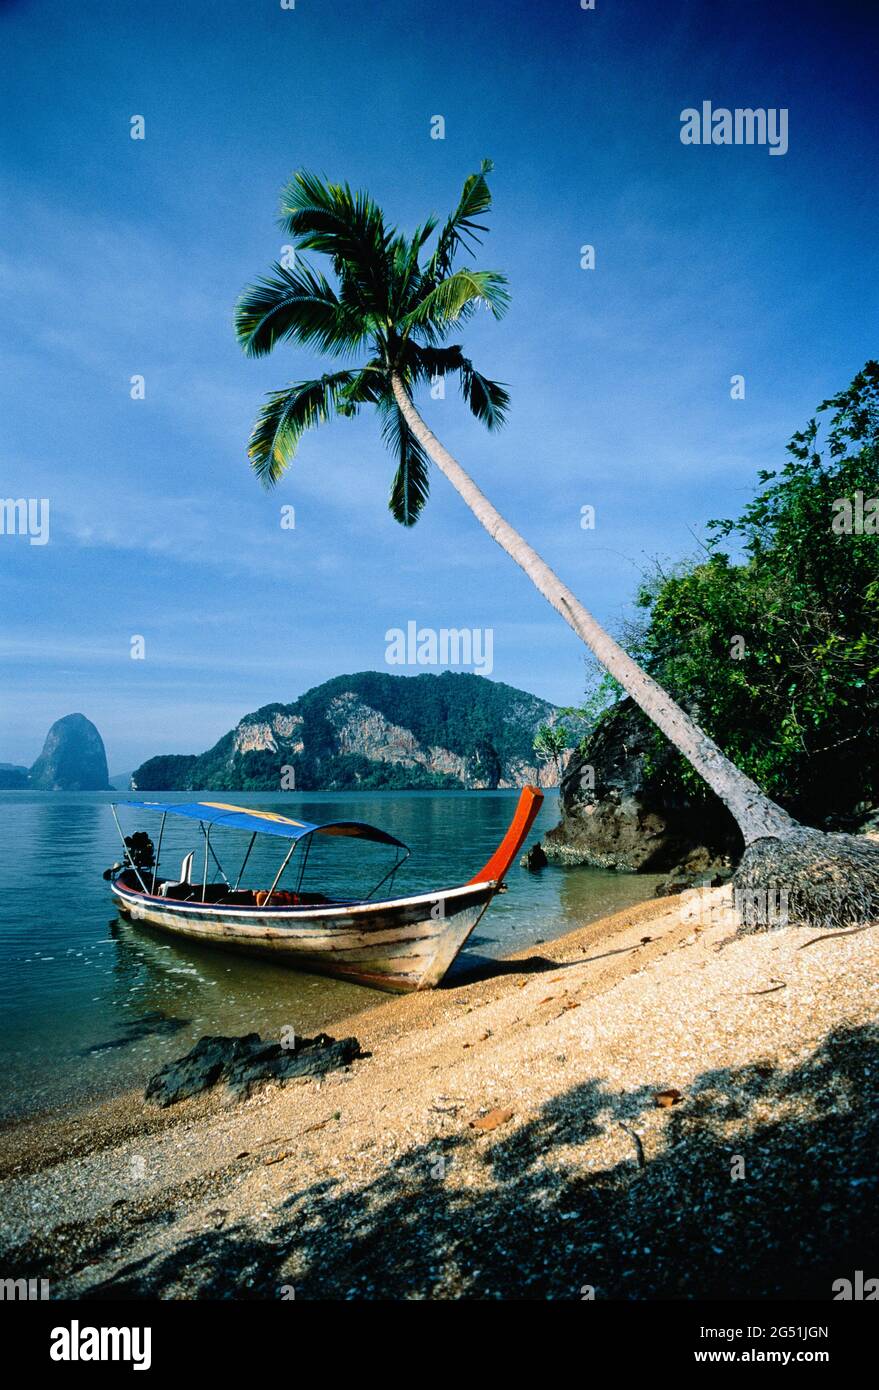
(650, 1106)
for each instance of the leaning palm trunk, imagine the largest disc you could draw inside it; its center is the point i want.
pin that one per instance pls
(756, 815)
(788, 871)
(401, 301)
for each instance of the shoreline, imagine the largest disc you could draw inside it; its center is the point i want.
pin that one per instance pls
(82, 1126)
(518, 1134)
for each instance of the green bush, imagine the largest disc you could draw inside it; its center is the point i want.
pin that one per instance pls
(777, 656)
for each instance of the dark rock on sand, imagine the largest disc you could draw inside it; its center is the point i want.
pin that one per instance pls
(679, 882)
(700, 869)
(243, 1063)
(618, 812)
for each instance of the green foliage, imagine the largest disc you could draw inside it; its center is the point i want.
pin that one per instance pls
(602, 693)
(393, 297)
(165, 772)
(778, 656)
(488, 724)
(550, 743)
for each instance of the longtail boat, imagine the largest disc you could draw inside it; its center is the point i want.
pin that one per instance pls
(393, 943)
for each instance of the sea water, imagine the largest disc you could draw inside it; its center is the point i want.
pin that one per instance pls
(91, 1005)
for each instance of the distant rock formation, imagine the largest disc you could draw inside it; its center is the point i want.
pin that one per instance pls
(73, 758)
(12, 777)
(373, 730)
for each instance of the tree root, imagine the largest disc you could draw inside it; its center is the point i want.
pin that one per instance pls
(809, 878)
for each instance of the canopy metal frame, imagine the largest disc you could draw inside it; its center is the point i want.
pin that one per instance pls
(403, 853)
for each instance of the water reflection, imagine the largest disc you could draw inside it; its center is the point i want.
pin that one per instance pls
(223, 992)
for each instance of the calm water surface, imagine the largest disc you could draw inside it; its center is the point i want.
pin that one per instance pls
(91, 1005)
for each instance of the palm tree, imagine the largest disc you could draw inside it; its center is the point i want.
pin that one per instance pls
(394, 303)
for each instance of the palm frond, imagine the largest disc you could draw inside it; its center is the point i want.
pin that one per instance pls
(285, 417)
(488, 400)
(329, 217)
(387, 290)
(367, 387)
(453, 299)
(423, 363)
(297, 303)
(411, 484)
(461, 228)
(406, 273)
(347, 226)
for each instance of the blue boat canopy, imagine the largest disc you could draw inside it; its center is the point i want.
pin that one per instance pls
(264, 822)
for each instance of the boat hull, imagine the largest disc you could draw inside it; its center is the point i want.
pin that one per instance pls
(400, 945)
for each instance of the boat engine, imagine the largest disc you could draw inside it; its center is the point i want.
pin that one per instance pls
(141, 850)
(140, 853)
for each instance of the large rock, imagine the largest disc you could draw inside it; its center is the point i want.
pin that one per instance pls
(617, 812)
(73, 758)
(373, 730)
(241, 1064)
(534, 858)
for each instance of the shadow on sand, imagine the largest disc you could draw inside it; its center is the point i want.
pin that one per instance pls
(534, 1226)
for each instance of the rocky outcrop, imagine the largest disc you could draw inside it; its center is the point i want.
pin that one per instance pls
(362, 730)
(373, 730)
(618, 813)
(73, 758)
(366, 732)
(268, 735)
(534, 858)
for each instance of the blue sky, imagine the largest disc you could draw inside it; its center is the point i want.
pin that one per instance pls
(124, 257)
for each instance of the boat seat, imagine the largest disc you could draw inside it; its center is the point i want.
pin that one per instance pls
(179, 891)
(168, 889)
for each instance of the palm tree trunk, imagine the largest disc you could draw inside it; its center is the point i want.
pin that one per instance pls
(756, 815)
